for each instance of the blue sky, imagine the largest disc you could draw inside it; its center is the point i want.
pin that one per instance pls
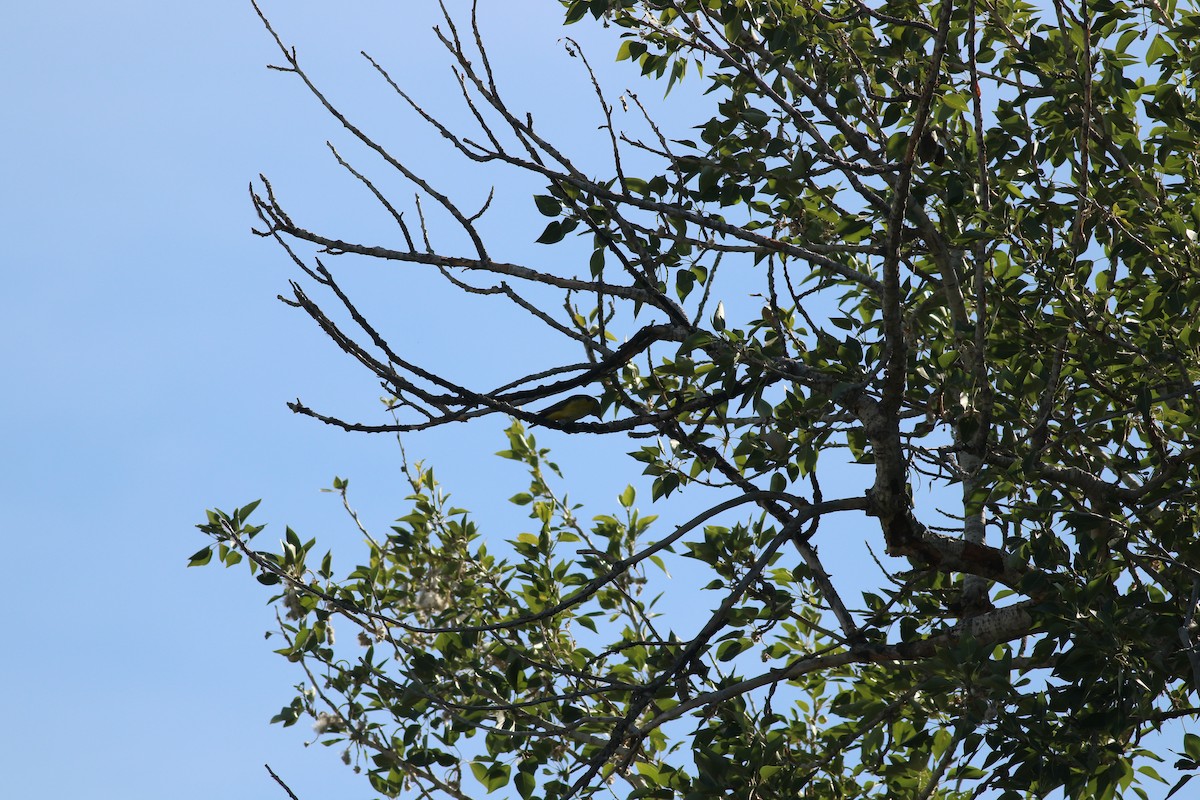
(148, 364)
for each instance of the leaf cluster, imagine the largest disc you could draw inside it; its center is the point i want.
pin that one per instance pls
(947, 249)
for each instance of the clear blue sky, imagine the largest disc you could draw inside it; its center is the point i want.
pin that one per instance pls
(147, 364)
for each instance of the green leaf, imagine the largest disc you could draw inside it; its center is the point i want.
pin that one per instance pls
(492, 776)
(718, 317)
(755, 118)
(1151, 772)
(525, 783)
(201, 557)
(630, 49)
(1191, 746)
(1179, 785)
(547, 205)
(243, 513)
(627, 497)
(553, 233)
(1159, 48)
(956, 101)
(728, 650)
(684, 281)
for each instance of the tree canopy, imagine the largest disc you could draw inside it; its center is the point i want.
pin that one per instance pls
(951, 242)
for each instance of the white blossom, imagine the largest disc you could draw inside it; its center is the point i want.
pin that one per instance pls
(328, 723)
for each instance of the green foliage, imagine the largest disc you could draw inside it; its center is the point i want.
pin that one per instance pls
(952, 246)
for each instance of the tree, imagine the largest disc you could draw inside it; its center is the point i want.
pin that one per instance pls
(954, 243)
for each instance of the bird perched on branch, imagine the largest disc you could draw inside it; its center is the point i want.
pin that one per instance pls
(571, 409)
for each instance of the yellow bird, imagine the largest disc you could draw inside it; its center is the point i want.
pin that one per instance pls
(572, 409)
